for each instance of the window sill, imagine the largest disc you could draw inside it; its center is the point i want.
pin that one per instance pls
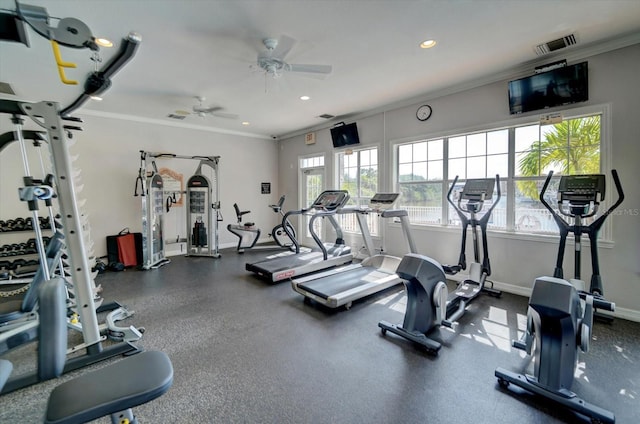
(509, 235)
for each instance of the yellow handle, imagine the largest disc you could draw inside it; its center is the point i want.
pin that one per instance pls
(62, 64)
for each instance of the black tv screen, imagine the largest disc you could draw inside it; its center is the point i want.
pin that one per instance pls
(557, 87)
(345, 135)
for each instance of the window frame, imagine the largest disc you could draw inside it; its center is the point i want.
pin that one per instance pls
(509, 181)
(358, 199)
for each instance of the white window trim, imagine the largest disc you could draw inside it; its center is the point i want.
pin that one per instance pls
(336, 176)
(604, 109)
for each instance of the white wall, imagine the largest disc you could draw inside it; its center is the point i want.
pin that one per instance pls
(515, 262)
(109, 158)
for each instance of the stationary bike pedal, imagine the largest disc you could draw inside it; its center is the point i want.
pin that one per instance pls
(519, 344)
(450, 324)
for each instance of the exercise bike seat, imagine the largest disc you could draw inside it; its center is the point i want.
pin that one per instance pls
(132, 381)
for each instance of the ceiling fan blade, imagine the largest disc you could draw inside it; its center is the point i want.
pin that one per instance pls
(224, 115)
(316, 69)
(202, 109)
(285, 44)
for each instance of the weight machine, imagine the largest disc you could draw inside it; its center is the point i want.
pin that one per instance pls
(202, 208)
(49, 115)
(151, 190)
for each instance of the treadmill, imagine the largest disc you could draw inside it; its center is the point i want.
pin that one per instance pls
(343, 285)
(326, 255)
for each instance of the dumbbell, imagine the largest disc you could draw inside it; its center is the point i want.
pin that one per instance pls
(19, 224)
(17, 264)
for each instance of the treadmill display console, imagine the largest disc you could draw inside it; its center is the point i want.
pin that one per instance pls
(331, 200)
(383, 201)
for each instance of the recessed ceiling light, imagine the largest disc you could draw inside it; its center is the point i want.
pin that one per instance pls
(305, 97)
(245, 122)
(427, 44)
(103, 42)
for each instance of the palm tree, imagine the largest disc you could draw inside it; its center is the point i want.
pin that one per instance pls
(572, 146)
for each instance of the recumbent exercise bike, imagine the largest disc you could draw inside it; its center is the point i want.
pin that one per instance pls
(249, 235)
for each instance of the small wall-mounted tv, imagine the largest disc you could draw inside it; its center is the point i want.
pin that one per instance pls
(345, 135)
(560, 86)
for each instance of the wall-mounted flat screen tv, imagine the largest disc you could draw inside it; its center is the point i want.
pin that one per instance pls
(557, 87)
(345, 135)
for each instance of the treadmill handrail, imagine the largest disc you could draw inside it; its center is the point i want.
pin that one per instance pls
(286, 225)
(334, 223)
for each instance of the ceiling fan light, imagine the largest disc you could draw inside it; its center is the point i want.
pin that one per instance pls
(427, 44)
(104, 42)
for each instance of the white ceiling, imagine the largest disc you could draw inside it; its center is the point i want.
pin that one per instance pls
(206, 48)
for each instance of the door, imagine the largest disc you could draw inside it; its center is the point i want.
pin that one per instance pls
(312, 185)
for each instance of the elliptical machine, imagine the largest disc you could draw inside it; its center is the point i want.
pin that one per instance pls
(249, 235)
(560, 314)
(428, 303)
(474, 193)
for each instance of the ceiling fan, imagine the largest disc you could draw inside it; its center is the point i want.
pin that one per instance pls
(272, 60)
(202, 111)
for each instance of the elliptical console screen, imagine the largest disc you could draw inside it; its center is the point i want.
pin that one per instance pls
(581, 187)
(476, 189)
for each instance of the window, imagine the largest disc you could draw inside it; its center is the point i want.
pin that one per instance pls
(522, 156)
(570, 147)
(358, 174)
(420, 180)
(312, 181)
(312, 162)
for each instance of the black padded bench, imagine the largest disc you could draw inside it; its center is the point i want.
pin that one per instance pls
(111, 390)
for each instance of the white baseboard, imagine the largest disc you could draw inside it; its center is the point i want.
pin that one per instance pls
(180, 249)
(622, 313)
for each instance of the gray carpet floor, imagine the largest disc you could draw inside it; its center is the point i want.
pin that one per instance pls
(246, 351)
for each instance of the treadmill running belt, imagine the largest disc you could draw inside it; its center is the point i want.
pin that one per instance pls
(332, 285)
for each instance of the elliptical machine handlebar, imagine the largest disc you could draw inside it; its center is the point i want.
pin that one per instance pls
(462, 210)
(582, 194)
(600, 220)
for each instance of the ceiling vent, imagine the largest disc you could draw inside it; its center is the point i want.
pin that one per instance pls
(560, 43)
(326, 116)
(5, 88)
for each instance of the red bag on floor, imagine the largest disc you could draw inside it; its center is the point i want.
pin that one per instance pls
(124, 248)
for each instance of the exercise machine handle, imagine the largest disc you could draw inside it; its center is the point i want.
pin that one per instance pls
(560, 220)
(599, 302)
(616, 180)
(100, 81)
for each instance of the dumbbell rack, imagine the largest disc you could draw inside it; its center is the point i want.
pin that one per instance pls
(47, 114)
(17, 258)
